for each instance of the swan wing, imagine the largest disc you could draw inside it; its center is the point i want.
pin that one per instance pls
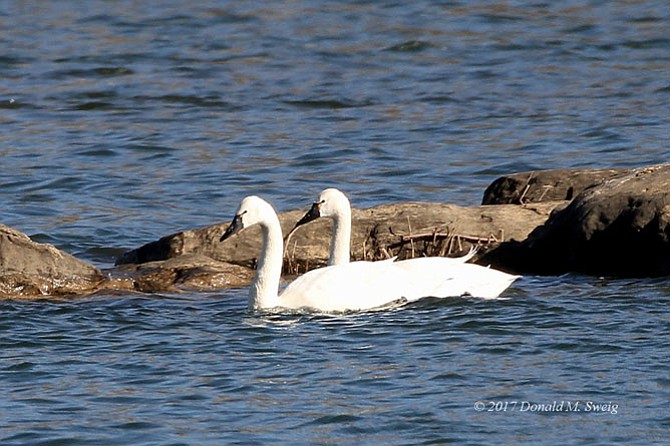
(420, 263)
(349, 287)
(444, 277)
(477, 281)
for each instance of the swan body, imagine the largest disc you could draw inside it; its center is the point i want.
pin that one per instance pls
(430, 276)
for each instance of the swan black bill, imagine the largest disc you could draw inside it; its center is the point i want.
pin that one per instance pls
(235, 226)
(311, 215)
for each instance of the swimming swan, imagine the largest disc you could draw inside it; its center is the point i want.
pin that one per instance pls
(349, 287)
(333, 204)
(466, 278)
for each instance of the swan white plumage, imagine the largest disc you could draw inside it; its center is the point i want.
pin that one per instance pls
(349, 287)
(428, 273)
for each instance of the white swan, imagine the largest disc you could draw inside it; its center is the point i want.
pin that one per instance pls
(349, 287)
(428, 272)
(333, 204)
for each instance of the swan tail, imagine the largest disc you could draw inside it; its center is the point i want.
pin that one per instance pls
(469, 255)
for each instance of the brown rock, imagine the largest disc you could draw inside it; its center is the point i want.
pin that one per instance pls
(241, 250)
(30, 269)
(545, 185)
(404, 229)
(182, 273)
(410, 230)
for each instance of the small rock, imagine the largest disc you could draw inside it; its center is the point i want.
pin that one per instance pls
(182, 273)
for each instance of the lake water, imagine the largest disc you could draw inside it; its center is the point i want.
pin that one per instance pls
(123, 122)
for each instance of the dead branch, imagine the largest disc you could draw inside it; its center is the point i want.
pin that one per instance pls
(435, 235)
(525, 189)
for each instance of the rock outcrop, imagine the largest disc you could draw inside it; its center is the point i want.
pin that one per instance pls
(620, 227)
(404, 229)
(31, 269)
(617, 224)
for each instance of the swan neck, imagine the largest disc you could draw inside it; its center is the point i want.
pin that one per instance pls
(339, 245)
(264, 289)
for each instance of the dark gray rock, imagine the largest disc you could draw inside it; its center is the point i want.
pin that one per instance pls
(545, 185)
(31, 269)
(618, 228)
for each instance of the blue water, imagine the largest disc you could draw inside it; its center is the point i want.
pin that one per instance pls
(126, 121)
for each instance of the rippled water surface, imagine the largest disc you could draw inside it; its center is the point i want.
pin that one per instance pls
(126, 121)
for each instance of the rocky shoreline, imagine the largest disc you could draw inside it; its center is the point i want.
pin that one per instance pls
(607, 222)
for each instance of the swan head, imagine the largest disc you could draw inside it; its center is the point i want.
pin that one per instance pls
(331, 203)
(252, 211)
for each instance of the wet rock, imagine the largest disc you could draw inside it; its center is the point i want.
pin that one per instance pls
(618, 228)
(31, 269)
(403, 229)
(545, 185)
(182, 273)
